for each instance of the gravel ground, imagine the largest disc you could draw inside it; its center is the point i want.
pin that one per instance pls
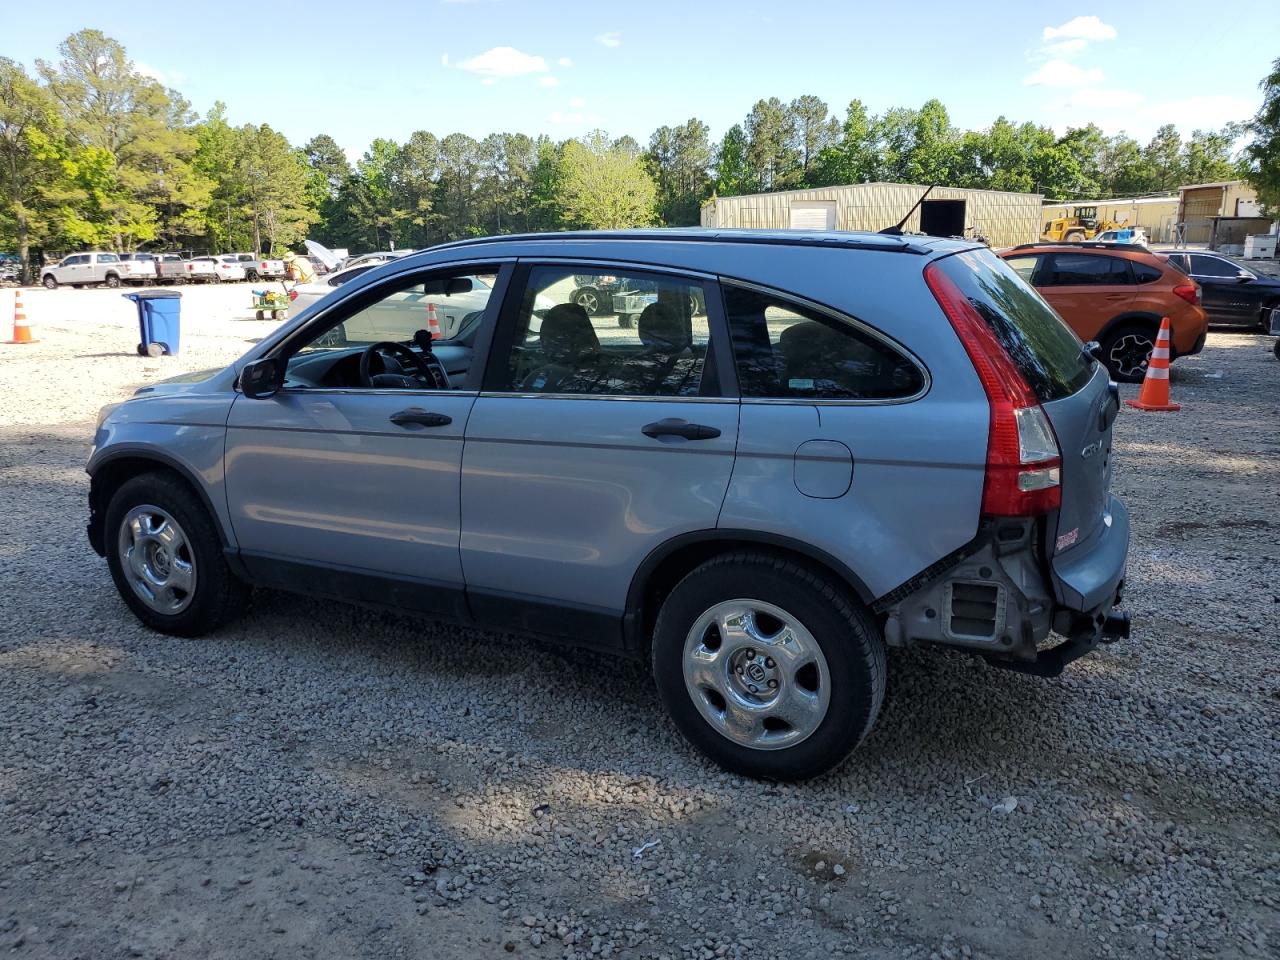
(321, 781)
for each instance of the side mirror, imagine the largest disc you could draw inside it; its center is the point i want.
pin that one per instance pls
(261, 378)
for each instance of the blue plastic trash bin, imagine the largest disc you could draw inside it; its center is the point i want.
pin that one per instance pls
(159, 321)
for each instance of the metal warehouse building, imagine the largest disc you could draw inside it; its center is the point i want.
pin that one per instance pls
(1003, 218)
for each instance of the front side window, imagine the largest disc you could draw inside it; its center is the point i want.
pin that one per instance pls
(1087, 270)
(440, 308)
(784, 350)
(609, 334)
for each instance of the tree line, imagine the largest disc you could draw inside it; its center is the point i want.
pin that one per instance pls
(95, 154)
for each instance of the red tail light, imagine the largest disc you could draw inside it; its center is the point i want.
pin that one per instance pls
(264, 264)
(1189, 292)
(191, 268)
(1024, 462)
(293, 295)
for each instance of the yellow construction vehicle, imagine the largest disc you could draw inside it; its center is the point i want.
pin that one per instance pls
(1083, 224)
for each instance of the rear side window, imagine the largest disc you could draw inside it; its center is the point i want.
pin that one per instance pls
(1144, 273)
(1045, 350)
(1086, 270)
(785, 350)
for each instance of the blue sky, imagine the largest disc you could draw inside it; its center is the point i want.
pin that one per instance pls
(361, 70)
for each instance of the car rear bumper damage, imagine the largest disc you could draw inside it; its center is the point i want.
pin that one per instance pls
(995, 601)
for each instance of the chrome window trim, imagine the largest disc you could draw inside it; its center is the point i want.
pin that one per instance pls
(839, 317)
(375, 391)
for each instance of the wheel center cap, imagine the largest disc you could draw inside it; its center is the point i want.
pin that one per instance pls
(755, 673)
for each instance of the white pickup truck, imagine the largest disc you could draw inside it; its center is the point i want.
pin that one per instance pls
(259, 268)
(138, 267)
(84, 269)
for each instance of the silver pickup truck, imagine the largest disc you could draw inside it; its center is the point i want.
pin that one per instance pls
(170, 268)
(84, 269)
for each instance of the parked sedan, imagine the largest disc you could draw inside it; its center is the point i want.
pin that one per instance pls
(1231, 293)
(668, 493)
(229, 268)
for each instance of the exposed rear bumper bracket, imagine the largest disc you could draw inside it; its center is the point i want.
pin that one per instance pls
(1051, 662)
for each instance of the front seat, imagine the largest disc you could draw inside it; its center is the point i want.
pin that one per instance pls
(668, 367)
(570, 351)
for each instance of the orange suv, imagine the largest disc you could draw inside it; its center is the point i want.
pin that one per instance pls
(1115, 293)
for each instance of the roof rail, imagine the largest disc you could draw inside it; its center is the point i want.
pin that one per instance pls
(1082, 244)
(850, 240)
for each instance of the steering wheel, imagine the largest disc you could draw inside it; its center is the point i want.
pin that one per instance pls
(404, 381)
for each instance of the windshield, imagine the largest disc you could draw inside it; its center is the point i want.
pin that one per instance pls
(1045, 349)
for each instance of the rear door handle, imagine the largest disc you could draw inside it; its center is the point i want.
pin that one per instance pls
(416, 416)
(673, 427)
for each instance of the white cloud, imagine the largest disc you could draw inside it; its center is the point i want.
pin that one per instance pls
(168, 78)
(444, 59)
(611, 38)
(1098, 98)
(565, 62)
(1081, 28)
(550, 81)
(503, 62)
(1064, 48)
(578, 102)
(1061, 73)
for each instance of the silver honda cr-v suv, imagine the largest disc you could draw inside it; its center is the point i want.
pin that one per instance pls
(770, 456)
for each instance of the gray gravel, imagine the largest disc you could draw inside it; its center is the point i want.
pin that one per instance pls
(321, 781)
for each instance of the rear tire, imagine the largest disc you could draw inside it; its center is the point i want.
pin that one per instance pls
(112, 281)
(789, 716)
(1264, 320)
(145, 566)
(50, 282)
(251, 276)
(1126, 350)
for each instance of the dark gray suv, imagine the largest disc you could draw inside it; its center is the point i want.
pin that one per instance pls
(807, 448)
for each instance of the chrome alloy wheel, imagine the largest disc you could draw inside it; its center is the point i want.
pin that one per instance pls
(156, 559)
(1131, 353)
(756, 674)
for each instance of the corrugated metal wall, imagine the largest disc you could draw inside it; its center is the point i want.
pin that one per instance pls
(1004, 218)
(1156, 215)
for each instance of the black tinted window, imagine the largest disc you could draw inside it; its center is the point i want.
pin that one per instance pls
(782, 349)
(637, 334)
(1044, 348)
(1143, 273)
(1086, 269)
(1202, 266)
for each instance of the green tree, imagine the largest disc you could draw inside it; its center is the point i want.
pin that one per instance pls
(147, 130)
(771, 150)
(734, 174)
(1263, 154)
(271, 177)
(853, 157)
(546, 186)
(1162, 160)
(815, 131)
(29, 131)
(678, 159)
(604, 186)
(455, 211)
(1207, 156)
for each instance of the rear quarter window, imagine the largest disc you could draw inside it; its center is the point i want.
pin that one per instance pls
(1044, 349)
(1144, 272)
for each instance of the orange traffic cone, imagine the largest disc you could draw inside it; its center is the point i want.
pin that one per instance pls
(21, 332)
(1154, 394)
(433, 324)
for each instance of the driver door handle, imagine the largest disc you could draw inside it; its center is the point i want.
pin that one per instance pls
(416, 416)
(672, 427)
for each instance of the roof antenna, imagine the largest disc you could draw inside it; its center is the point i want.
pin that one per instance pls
(896, 229)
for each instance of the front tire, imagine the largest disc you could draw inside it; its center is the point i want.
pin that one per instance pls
(166, 558)
(769, 667)
(589, 299)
